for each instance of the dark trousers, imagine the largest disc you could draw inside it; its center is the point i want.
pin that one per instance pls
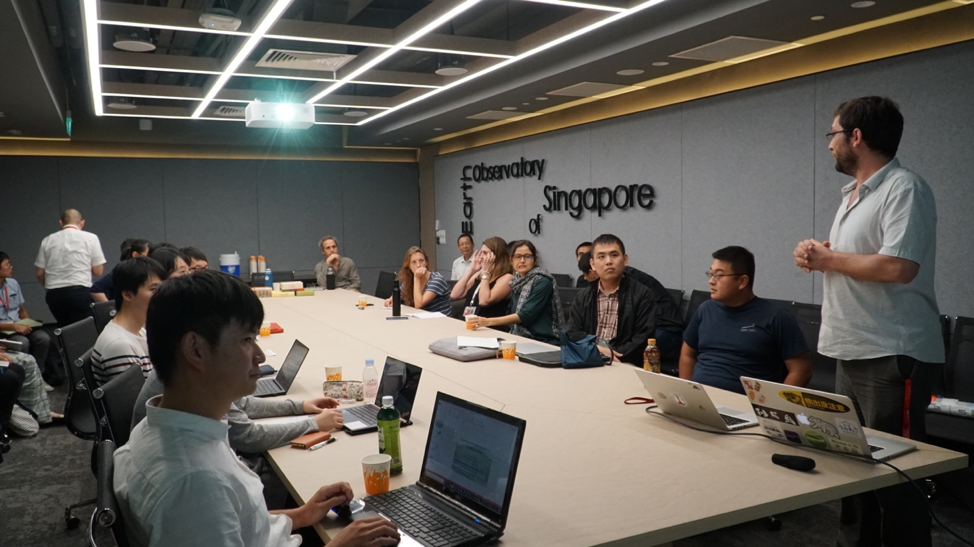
(891, 394)
(668, 342)
(69, 304)
(37, 344)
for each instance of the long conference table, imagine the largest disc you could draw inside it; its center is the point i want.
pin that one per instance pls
(593, 471)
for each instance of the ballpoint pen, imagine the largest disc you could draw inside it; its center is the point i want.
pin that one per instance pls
(322, 443)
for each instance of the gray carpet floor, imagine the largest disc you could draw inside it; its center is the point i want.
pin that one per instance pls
(41, 476)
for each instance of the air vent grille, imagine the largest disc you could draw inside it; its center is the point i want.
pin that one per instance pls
(304, 60)
(494, 115)
(728, 48)
(586, 89)
(230, 111)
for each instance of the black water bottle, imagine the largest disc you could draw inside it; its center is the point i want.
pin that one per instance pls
(396, 302)
(330, 279)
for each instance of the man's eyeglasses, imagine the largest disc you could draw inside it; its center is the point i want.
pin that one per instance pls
(197, 269)
(522, 257)
(717, 276)
(830, 136)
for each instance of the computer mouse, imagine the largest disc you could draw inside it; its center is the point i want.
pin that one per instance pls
(798, 463)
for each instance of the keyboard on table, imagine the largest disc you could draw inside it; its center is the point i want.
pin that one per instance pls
(419, 519)
(366, 413)
(731, 420)
(267, 387)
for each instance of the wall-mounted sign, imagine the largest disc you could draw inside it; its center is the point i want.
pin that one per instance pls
(519, 169)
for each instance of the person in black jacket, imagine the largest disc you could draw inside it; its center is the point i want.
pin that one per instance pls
(669, 318)
(619, 311)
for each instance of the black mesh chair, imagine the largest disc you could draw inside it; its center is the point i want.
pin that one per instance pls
(676, 294)
(809, 318)
(74, 342)
(696, 298)
(383, 287)
(106, 526)
(563, 280)
(307, 277)
(567, 296)
(103, 312)
(115, 404)
(786, 305)
(959, 384)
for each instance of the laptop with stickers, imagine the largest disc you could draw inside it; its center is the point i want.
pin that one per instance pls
(688, 400)
(826, 421)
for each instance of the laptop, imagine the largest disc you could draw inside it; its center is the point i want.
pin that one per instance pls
(818, 419)
(688, 400)
(464, 490)
(536, 354)
(279, 384)
(401, 381)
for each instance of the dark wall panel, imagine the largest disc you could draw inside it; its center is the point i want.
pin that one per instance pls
(381, 210)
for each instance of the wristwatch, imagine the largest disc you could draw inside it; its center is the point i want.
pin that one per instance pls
(485, 276)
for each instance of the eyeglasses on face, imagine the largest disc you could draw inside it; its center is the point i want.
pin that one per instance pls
(523, 257)
(830, 136)
(717, 276)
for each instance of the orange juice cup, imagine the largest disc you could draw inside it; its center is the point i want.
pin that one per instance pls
(333, 373)
(265, 329)
(375, 473)
(470, 322)
(508, 350)
(362, 301)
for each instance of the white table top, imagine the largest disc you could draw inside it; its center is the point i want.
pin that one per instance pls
(592, 470)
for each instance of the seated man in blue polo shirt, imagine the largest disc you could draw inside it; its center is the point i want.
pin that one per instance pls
(738, 334)
(13, 316)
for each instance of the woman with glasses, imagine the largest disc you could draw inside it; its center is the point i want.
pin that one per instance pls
(535, 308)
(421, 288)
(486, 285)
(175, 262)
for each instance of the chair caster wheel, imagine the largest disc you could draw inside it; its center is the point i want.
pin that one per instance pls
(72, 522)
(773, 524)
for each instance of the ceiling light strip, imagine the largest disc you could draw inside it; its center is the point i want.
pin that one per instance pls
(526, 54)
(269, 18)
(89, 14)
(212, 118)
(202, 30)
(160, 69)
(583, 5)
(331, 105)
(430, 27)
(459, 52)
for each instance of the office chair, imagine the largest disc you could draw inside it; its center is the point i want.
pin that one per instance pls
(567, 296)
(563, 280)
(103, 312)
(74, 341)
(11, 381)
(115, 404)
(696, 298)
(307, 277)
(383, 288)
(809, 318)
(676, 294)
(106, 517)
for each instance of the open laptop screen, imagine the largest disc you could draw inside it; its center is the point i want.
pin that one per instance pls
(400, 380)
(472, 455)
(292, 363)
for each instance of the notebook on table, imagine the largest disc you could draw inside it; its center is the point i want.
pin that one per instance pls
(822, 420)
(689, 400)
(400, 380)
(280, 384)
(463, 495)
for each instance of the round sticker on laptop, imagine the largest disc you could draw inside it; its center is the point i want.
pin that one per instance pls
(816, 440)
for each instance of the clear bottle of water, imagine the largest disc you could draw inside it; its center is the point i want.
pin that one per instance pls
(370, 381)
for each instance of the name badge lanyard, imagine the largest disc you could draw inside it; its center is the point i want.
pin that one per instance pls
(5, 301)
(472, 307)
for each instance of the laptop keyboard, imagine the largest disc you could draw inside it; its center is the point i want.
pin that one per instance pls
(731, 421)
(421, 520)
(365, 413)
(267, 387)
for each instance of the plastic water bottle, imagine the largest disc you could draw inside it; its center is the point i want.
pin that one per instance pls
(268, 278)
(651, 357)
(388, 422)
(370, 381)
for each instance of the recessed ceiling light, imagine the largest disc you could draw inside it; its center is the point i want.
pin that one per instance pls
(14, 132)
(541, 98)
(630, 72)
(405, 138)
(509, 108)
(661, 63)
(121, 103)
(863, 4)
(451, 71)
(137, 40)
(356, 113)
(522, 104)
(818, 17)
(437, 129)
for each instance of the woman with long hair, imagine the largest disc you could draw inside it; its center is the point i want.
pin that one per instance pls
(421, 288)
(535, 308)
(486, 285)
(175, 262)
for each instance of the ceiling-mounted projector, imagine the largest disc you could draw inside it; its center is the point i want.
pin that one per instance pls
(280, 115)
(219, 19)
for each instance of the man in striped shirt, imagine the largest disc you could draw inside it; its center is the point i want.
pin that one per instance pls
(122, 344)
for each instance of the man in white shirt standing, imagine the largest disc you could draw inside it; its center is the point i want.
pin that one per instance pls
(177, 480)
(122, 344)
(880, 319)
(462, 264)
(65, 263)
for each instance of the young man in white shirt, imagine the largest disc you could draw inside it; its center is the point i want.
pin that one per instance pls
(65, 263)
(463, 262)
(122, 344)
(177, 480)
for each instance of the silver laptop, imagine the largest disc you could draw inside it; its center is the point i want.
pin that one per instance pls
(400, 380)
(826, 421)
(279, 384)
(688, 400)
